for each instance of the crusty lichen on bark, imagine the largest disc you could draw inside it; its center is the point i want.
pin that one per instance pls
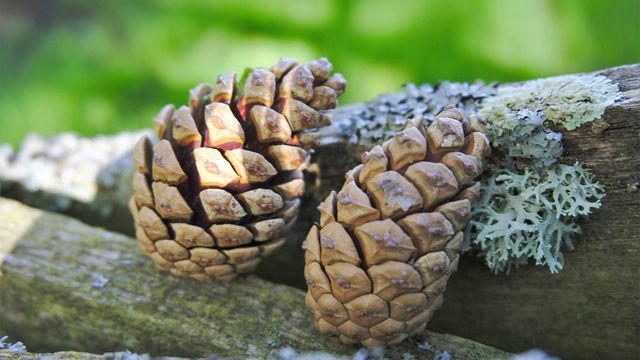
(523, 120)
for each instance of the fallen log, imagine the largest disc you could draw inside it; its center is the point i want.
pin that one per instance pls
(68, 286)
(589, 310)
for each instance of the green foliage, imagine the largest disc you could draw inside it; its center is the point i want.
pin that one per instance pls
(105, 66)
(531, 215)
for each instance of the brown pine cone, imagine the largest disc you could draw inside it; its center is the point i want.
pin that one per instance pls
(378, 263)
(218, 191)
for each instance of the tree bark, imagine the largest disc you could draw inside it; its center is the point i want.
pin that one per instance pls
(68, 286)
(588, 310)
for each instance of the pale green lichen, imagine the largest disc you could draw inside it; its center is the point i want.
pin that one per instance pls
(530, 207)
(530, 204)
(531, 215)
(569, 101)
(17, 347)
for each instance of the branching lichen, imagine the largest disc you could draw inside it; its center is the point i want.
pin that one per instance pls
(531, 215)
(530, 206)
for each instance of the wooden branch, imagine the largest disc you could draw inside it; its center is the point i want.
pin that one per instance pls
(66, 285)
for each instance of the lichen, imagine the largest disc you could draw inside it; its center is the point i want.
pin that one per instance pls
(362, 354)
(569, 101)
(16, 347)
(530, 206)
(381, 118)
(437, 354)
(529, 215)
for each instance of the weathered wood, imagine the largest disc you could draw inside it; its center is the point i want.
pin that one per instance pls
(590, 309)
(71, 355)
(65, 285)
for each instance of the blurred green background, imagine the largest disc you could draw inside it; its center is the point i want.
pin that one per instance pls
(105, 66)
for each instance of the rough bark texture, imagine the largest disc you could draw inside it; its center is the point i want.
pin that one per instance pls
(68, 286)
(590, 309)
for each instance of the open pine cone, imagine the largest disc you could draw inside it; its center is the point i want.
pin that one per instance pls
(378, 263)
(220, 188)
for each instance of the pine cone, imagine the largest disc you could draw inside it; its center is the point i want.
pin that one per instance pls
(221, 187)
(377, 264)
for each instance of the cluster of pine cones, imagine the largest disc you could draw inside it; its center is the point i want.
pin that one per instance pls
(222, 185)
